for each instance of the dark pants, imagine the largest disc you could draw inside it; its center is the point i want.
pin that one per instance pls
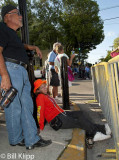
(79, 119)
(54, 80)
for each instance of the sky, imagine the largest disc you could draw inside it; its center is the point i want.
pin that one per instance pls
(111, 29)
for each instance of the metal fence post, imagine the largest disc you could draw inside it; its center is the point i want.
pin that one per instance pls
(64, 83)
(106, 86)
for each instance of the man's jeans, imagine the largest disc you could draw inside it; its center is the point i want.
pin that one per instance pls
(20, 122)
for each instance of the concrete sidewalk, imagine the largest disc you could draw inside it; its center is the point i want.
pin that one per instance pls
(62, 139)
(67, 144)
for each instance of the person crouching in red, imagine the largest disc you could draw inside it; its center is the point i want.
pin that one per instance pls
(47, 109)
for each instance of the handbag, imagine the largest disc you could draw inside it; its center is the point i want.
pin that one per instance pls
(70, 74)
(56, 123)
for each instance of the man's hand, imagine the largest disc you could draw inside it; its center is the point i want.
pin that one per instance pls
(33, 48)
(5, 82)
(39, 53)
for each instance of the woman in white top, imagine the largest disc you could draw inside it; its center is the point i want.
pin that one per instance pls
(60, 51)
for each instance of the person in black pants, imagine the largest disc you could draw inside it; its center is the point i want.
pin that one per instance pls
(47, 109)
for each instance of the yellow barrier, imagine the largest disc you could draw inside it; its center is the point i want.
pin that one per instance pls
(105, 78)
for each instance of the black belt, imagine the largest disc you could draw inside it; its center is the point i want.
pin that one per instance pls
(16, 61)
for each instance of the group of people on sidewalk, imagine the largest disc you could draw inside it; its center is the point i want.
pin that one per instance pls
(53, 72)
(82, 71)
(21, 126)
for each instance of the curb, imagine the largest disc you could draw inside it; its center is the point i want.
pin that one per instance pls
(76, 148)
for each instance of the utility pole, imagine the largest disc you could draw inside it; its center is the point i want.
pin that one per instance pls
(24, 29)
(25, 40)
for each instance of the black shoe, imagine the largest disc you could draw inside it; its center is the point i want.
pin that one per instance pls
(22, 143)
(89, 142)
(40, 143)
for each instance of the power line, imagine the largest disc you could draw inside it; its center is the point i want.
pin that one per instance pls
(110, 19)
(109, 8)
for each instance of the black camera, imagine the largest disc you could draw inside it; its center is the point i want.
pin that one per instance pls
(7, 97)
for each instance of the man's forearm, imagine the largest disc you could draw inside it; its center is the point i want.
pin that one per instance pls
(33, 48)
(29, 47)
(5, 81)
(3, 70)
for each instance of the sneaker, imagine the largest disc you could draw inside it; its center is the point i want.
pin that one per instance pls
(107, 128)
(100, 136)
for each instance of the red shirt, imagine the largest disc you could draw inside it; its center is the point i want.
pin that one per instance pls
(48, 109)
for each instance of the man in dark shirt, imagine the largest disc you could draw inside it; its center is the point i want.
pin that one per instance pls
(21, 126)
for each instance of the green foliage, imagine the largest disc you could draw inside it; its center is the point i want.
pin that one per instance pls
(71, 22)
(43, 23)
(5, 2)
(116, 43)
(82, 24)
(107, 58)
